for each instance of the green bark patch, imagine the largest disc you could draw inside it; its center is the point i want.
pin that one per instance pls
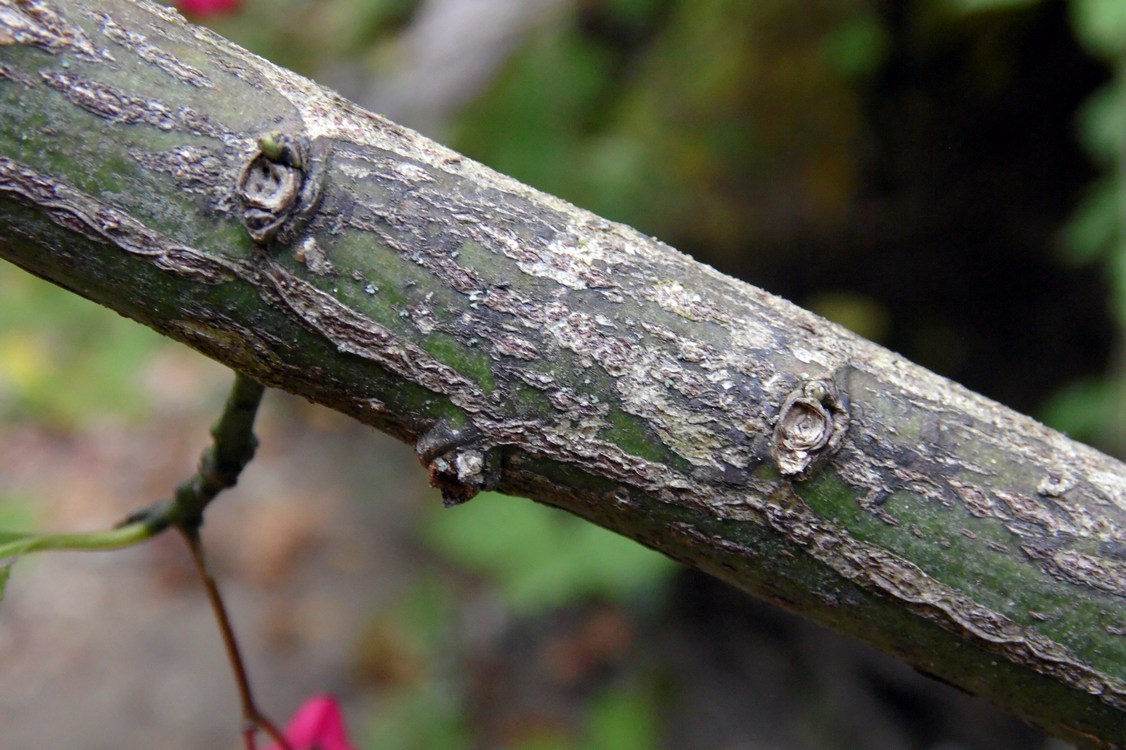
(976, 555)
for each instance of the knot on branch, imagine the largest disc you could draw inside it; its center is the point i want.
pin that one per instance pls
(811, 423)
(276, 187)
(457, 463)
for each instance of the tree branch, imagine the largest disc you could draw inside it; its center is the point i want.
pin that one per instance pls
(525, 345)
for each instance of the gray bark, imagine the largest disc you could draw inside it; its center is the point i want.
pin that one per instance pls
(525, 345)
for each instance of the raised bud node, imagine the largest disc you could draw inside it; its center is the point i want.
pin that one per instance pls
(274, 187)
(811, 424)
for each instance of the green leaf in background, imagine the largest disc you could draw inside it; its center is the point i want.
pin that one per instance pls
(12, 545)
(979, 6)
(856, 48)
(63, 358)
(626, 718)
(1092, 232)
(540, 557)
(530, 123)
(1100, 25)
(16, 512)
(15, 516)
(857, 312)
(424, 717)
(310, 37)
(5, 569)
(1102, 123)
(547, 740)
(410, 651)
(1081, 409)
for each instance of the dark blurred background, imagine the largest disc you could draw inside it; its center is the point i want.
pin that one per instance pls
(941, 176)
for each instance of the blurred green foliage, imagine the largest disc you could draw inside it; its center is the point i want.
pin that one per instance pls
(64, 359)
(624, 719)
(1081, 409)
(977, 6)
(423, 706)
(1095, 231)
(669, 121)
(423, 709)
(17, 515)
(1094, 410)
(540, 557)
(1101, 26)
(309, 35)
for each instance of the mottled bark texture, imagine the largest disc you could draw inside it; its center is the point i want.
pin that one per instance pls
(525, 345)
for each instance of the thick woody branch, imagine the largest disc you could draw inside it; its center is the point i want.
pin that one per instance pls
(525, 345)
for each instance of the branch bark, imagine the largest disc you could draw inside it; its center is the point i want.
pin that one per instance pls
(525, 345)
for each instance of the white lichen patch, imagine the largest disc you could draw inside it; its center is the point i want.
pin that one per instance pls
(672, 295)
(469, 465)
(423, 319)
(655, 386)
(690, 434)
(313, 256)
(565, 264)
(580, 333)
(354, 170)
(813, 357)
(747, 335)
(412, 173)
(691, 351)
(35, 23)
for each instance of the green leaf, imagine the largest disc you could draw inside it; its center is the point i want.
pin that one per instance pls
(49, 334)
(12, 545)
(857, 48)
(625, 719)
(15, 543)
(1093, 230)
(979, 6)
(423, 717)
(1081, 409)
(5, 569)
(1101, 120)
(1100, 25)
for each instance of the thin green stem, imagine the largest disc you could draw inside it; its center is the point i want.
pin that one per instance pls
(94, 541)
(220, 465)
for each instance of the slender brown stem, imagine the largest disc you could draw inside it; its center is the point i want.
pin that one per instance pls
(254, 718)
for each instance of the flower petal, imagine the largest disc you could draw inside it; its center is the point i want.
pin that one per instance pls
(204, 8)
(317, 725)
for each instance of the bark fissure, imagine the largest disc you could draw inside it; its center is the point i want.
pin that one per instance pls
(523, 344)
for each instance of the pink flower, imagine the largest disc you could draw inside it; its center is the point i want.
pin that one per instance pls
(317, 725)
(204, 8)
